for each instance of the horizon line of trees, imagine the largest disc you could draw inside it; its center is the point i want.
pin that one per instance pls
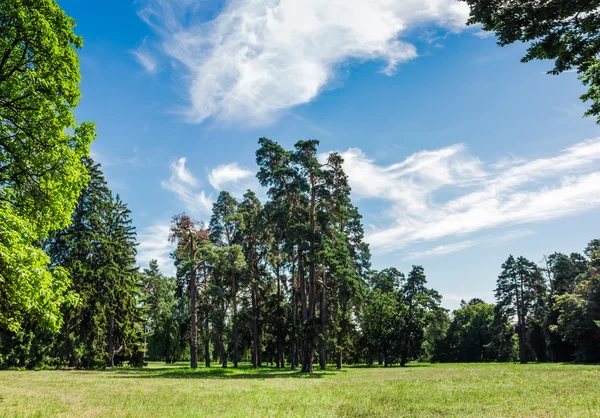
(289, 283)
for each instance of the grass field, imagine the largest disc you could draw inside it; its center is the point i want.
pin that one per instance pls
(535, 390)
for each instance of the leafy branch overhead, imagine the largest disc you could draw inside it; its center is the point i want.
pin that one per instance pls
(566, 31)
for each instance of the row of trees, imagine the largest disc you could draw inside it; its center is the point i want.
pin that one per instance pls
(543, 313)
(245, 276)
(289, 282)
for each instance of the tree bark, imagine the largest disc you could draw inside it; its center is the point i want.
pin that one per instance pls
(206, 329)
(193, 309)
(111, 342)
(323, 335)
(311, 334)
(294, 316)
(520, 323)
(256, 342)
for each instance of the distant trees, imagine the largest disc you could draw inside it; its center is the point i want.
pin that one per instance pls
(521, 294)
(161, 319)
(288, 280)
(472, 335)
(566, 31)
(578, 311)
(396, 315)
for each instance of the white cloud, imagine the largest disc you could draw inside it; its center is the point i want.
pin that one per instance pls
(183, 183)
(145, 58)
(154, 245)
(482, 34)
(447, 192)
(463, 245)
(227, 175)
(257, 58)
(442, 250)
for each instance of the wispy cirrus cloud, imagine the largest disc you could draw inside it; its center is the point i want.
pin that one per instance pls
(229, 175)
(463, 245)
(257, 58)
(185, 186)
(449, 193)
(145, 58)
(188, 188)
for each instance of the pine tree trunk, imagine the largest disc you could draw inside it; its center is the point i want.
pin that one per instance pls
(206, 342)
(302, 280)
(323, 335)
(256, 342)
(194, 310)
(206, 326)
(310, 331)
(224, 353)
(294, 326)
(293, 341)
(521, 324)
(234, 320)
(145, 342)
(340, 340)
(111, 342)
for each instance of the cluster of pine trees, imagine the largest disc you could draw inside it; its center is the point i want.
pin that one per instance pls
(288, 282)
(543, 313)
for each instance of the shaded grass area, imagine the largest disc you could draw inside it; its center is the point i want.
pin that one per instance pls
(474, 390)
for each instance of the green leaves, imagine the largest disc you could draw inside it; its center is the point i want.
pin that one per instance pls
(41, 150)
(29, 288)
(566, 31)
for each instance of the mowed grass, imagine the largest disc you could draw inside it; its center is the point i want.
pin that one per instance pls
(495, 390)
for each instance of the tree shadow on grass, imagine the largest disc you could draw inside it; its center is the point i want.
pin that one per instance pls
(215, 373)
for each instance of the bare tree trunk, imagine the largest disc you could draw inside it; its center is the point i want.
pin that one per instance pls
(294, 327)
(340, 340)
(323, 334)
(294, 314)
(234, 323)
(206, 327)
(256, 342)
(193, 309)
(521, 324)
(310, 332)
(145, 342)
(111, 341)
(302, 280)
(280, 335)
(206, 342)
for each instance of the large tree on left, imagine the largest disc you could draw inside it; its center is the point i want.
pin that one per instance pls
(41, 150)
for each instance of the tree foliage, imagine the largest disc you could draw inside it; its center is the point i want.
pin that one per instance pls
(41, 150)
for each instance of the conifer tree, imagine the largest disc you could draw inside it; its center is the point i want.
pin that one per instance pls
(520, 291)
(190, 237)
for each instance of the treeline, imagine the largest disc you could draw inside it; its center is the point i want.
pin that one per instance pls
(543, 313)
(288, 282)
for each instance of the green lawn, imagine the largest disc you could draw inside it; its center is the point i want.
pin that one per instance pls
(476, 390)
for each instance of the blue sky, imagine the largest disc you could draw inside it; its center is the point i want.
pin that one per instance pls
(458, 154)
